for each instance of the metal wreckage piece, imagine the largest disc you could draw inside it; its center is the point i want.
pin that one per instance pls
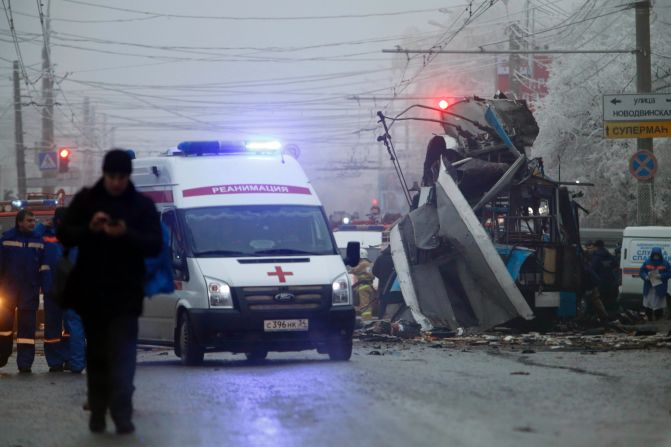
(449, 270)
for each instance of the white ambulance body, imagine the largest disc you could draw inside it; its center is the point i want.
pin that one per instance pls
(637, 242)
(255, 264)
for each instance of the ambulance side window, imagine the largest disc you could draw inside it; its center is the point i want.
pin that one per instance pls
(180, 271)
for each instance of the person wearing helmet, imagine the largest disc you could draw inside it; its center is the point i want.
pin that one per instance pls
(365, 295)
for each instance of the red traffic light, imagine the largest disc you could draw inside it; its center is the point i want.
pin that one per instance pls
(64, 159)
(443, 104)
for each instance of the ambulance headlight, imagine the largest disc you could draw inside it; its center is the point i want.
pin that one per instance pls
(342, 291)
(219, 293)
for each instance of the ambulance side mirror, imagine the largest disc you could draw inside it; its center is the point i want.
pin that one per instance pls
(178, 263)
(353, 254)
(179, 267)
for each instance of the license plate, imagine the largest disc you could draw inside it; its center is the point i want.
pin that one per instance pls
(285, 325)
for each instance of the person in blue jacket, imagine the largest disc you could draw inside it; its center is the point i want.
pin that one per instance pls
(22, 274)
(655, 273)
(64, 341)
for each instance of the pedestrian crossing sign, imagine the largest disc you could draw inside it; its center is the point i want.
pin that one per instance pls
(47, 161)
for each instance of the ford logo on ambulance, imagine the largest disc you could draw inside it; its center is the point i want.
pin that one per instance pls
(284, 296)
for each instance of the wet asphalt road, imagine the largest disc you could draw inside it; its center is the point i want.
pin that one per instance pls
(407, 396)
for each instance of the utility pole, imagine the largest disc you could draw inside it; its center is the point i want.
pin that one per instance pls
(514, 59)
(18, 135)
(645, 188)
(48, 98)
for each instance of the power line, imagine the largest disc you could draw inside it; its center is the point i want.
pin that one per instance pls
(10, 20)
(258, 18)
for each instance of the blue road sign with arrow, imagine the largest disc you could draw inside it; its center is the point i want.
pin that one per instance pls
(643, 165)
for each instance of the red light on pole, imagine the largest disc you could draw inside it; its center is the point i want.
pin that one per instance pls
(443, 104)
(64, 159)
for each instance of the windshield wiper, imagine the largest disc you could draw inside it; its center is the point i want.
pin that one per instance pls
(206, 253)
(284, 251)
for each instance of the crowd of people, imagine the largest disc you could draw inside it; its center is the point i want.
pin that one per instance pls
(602, 280)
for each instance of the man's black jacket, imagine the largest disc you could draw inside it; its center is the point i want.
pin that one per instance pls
(108, 277)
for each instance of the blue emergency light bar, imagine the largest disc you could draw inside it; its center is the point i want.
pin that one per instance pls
(19, 204)
(361, 228)
(263, 145)
(229, 147)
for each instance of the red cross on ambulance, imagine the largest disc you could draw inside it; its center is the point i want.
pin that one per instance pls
(281, 274)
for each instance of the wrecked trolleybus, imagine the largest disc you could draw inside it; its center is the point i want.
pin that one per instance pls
(490, 238)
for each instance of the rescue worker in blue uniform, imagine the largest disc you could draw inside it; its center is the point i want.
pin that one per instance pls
(655, 272)
(22, 274)
(64, 341)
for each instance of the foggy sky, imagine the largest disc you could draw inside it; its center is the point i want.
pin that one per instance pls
(237, 70)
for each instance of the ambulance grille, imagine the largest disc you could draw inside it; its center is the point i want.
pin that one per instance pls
(263, 299)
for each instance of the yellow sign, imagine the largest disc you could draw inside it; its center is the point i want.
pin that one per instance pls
(636, 129)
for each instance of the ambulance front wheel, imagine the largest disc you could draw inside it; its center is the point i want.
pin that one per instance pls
(190, 351)
(341, 350)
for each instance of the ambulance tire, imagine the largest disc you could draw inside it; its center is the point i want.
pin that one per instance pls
(340, 351)
(190, 351)
(256, 356)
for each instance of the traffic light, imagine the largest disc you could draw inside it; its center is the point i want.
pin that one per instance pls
(443, 104)
(64, 159)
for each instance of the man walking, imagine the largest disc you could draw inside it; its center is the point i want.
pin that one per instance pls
(22, 273)
(115, 228)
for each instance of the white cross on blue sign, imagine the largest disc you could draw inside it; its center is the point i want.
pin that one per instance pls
(643, 165)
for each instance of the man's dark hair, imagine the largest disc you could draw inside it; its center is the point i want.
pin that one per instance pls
(22, 215)
(117, 161)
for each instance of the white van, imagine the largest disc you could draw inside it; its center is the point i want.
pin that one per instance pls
(371, 237)
(636, 245)
(255, 263)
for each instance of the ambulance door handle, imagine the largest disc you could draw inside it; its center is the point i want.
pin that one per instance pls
(625, 253)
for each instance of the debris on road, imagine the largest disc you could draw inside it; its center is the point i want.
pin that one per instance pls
(591, 340)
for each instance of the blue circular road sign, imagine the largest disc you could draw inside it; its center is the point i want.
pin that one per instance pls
(643, 165)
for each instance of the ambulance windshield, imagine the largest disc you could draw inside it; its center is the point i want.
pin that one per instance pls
(258, 230)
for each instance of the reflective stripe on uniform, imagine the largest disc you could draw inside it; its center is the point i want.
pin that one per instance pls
(52, 340)
(6, 333)
(25, 341)
(65, 334)
(38, 245)
(12, 244)
(44, 268)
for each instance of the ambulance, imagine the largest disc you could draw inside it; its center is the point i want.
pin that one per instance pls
(255, 264)
(637, 242)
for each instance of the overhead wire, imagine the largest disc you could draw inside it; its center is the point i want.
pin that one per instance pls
(10, 21)
(254, 18)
